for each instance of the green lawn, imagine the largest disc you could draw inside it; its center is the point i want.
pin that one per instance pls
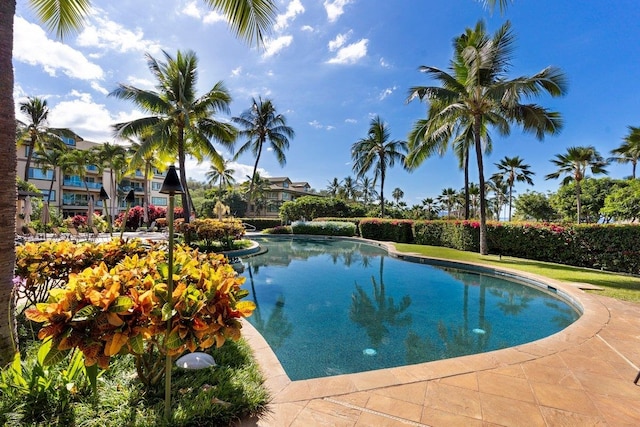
(619, 286)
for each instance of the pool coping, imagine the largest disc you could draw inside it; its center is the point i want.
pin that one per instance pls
(595, 316)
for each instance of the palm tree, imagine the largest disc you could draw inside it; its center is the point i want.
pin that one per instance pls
(334, 187)
(512, 169)
(112, 157)
(180, 122)
(499, 188)
(261, 186)
(248, 20)
(222, 174)
(448, 199)
(431, 207)
(397, 194)
(377, 152)
(52, 158)
(367, 189)
(36, 135)
(350, 188)
(478, 92)
(260, 125)
(75, 162)
(629, 150)
(575, 165)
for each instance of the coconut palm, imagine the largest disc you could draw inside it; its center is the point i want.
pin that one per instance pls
(430, 206)
(377, 152)
(36, 135)
(180, 123)
(350, 188)
(112, 157)
(397, 194)
(248, 20)
(479, 92)
(261, 125)
(367, 189)
(222, 174)
(512, 169)
(334, 187)
(629, 150)
(499, 188)
(448, 199)
(52, 158)
(575, 164)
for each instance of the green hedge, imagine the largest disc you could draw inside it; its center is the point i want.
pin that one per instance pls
(393, 230)
(354, 221)
(262, 223)
(607, 247)
(324, 228)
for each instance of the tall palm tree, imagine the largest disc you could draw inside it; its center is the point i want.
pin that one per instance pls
(430, 206)
(261, 186)
(112, 157)
(499, 188)
(52, 158)
(629, 150)
(377, 152)
(397, 194)
(575, 164)
(512, 169)
(479, 92)
(75, 162)
(261, 124)
(248, 19)
(180, 123)
(222, 174)
(36, 135)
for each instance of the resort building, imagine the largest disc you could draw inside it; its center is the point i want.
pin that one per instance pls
(71, 194)
(281, 189)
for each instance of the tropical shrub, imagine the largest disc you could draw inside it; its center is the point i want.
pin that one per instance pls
(128, 310)
(355, 221)
(393, 230)
(324, 228)
(262, 223)
(307, 208)
(281, 229)
(213, 230)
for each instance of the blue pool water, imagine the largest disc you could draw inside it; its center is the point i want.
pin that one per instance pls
(329, 307)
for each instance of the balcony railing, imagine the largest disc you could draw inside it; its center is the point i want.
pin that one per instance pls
(80, 184)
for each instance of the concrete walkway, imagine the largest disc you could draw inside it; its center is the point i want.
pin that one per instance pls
(582, 376)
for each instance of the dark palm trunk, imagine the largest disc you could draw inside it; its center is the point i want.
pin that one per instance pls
(8, 193)
(32, 146)
(382, 192)
(578, 201)
(253, 182)
(484, 250)
(467, 201)
(184, 197)
(510, 198)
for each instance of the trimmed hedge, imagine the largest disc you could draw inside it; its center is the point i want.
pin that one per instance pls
(609, 247)
(281, 229)
(354, 221)
(324, 228)
(394, 230)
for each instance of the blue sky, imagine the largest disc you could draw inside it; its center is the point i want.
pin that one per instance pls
(330, 66)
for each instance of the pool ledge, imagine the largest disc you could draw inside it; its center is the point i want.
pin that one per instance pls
(595, 316)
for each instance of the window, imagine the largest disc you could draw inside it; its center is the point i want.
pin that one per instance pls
(156, 186)
(36, 173)
(159, 201)
(45, 195)
(272, 195)
(92, 168)
(286, 196)
(285, 184)
(68, 141)
(273, 209)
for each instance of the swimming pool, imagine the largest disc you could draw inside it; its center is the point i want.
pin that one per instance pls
(329, 307)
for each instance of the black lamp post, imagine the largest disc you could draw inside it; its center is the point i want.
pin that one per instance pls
(130, 200)
(170, 186)
(104, 197)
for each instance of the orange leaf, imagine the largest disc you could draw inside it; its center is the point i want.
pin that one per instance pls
(114, 344)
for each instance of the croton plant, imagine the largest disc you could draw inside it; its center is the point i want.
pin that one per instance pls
(126, 309)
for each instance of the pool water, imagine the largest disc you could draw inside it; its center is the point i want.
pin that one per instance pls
(330, 307)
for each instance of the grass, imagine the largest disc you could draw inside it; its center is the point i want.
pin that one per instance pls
(215, 396)
(218, 247)
(619, 286)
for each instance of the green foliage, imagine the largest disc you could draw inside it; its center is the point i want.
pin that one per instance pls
(461, 235)
(393, 230)
(593, 194)
(281, 229)
(311, 207)
(623, 203)
(213, 230)
(324, 228)
(26, 186)
(534, 206)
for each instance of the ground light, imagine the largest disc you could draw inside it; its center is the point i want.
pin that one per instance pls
(170, 186)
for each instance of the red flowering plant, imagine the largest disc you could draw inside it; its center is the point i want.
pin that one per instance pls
(126, 310)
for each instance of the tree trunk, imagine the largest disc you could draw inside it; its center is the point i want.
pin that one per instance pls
(578, 201)
(183, 177)
(382, 191)
(510, 200)
(484, 249)
(8, 192)
(253, 178)
(467, 201)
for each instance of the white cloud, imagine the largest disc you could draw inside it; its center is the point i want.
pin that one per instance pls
(90, 120)
(307, 28)
(339, 41)
(207, 16)
(384, 64)
(335, 8)
(293, 9)
(236, 71)
(273, 46)
(350, 54)
(351, 121)
(387, 92)
(316, 124)
(109, 35)
(32, 46)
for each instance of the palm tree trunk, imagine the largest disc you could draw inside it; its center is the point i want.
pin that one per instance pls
(578, 201)
(484, 250)
(467, 202)
(184, 197)
(510, 199)
(27, 165)
(253, 179)
(8, 195)
(145, 208)
(633, 170)
(382, 190)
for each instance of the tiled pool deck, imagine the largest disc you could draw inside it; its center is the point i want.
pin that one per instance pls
(582, 376)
